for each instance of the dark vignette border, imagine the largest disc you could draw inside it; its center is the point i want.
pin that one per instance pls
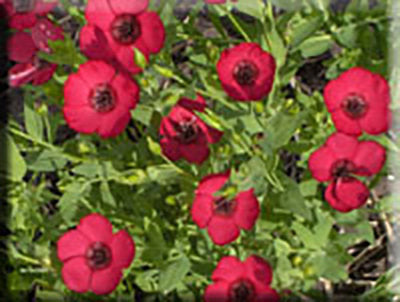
(4, 206)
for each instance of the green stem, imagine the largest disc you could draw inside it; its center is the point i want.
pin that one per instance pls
(238, 26)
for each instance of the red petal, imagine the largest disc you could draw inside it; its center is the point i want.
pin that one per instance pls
(76, 92)
(266, 294)
(84, 119)
(20, 47)
(199, 104)
(94, 44)
(76, 274)
(222, 230)
(123, 249)
(217, 292)
(127, 91)
(345, 124)
(43, 7)
(196, 152)
(126, 58)
(21, 74)
(342, 145)
(105, 281)
(71, 244)
(129, 7)
(153, 32)
(320, 163)
(44, 74)
(247, 209)
(369, 158)
(99, 13)
(213, 182)
(346, 194)
(43, 31)
(96, 72)
(22, 21)
(114, 122)
(376, 121)
(258, 270)
(213, 135)
(170, 149)
(229, 269)
(202, 209)
(96, 227)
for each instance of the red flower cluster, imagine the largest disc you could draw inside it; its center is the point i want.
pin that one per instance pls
(185, 135)
(99, 99)
(26, 14)
(223, 217)
(342, 157)
(93, 257)
(246, 281)
(116, 27)
(358, 101)
(22, 47)
(246, 72)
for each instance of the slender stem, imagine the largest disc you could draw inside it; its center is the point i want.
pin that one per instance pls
(238, 26)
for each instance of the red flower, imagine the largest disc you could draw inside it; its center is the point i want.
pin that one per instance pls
(185, 135)
(98, 99)
(26, 15)
(116, 27)
(247, 281)
(223, 217)
(337, 160)
(22, 47)
(358, 100)
(93, 257)
(246, 72)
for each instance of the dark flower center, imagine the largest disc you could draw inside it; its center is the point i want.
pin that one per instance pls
(40, 63)
(98, 256)
(342, 168)
(187, 131)
(245, 73)
(224, 206)
(354, 106)
(241, 291)
(125, 29)
(102, 98)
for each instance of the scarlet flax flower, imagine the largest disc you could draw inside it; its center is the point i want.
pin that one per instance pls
(338, 161)
(185, 135)
(223, 217)
(98, 99)
(358, 101)
(27, 13)
(246, 72)
(93, 257)
(246, 281)
(116, 27)
(23, 47)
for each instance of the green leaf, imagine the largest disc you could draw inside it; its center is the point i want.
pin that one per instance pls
(106, 194)
(33, 123)
(316, 46)
(12, 164)
(89, 170)
(347, 36)
(63, 52)
(304, 29)
(251, 7)
(139, 58)
(308, 187)
(143, 114)
(155, 244)
(291, 199)
(329, 268)
(173, 274)
(48, 161)
(280, 129)
(70, 201)
(306, 236)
